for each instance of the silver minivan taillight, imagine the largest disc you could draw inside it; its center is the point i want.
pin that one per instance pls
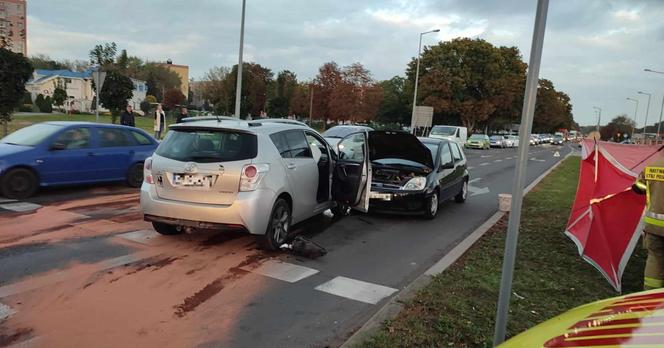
(251, 177)
(147, 171)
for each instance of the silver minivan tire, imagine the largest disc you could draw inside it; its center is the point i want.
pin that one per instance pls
(278, 226)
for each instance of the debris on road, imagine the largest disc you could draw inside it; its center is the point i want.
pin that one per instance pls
(305, 247)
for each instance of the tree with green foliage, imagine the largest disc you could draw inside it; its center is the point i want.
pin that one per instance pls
(15, 70)
(394, 108)
(117, 89)
(39, 101)
(469, 80)
(284, 88)
(619, 129)
(553, 110)
(103, 55)
(48, 105)
(150, 99)
(59, 96)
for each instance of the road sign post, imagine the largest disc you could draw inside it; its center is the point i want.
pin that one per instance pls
(98, 77)
(520, 177)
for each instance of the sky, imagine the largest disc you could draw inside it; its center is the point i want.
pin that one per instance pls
(594, 50)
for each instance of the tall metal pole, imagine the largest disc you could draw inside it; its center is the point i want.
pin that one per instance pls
(636, 110)
(520, 177)
(97, 105)
(659, 124)
(311, 105)
(645, 125)
(238, 87)
(417, 79)
(599, 116)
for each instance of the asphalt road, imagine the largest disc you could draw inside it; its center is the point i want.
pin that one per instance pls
(84, 270)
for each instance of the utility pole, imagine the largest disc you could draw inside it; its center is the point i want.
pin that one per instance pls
(520, 177)
(238, 86)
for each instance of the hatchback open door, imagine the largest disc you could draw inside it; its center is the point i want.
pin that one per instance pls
(352, 172)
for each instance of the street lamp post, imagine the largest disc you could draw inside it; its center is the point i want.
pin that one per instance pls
(417, 78)
(659, 124)
(311, 106)
(636, 109)
(645, 124)
(599, 116)
(238, 86)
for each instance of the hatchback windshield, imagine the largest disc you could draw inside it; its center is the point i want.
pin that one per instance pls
(443, 130)
(31, 136)
(496, 137)
(207, 146)
(478, 136)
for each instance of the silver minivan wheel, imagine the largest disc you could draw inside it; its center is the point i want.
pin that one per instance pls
(279, 225)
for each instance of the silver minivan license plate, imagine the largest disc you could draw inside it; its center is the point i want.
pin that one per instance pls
(192, 180)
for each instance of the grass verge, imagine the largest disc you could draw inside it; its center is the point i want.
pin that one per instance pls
(18, 122)
(457, 309)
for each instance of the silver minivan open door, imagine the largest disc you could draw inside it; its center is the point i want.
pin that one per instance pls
(352, 172)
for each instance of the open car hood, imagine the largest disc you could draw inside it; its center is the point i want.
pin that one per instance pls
(401, 145)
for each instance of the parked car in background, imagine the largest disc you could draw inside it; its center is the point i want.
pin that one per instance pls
(497, 141)
(509, 142)
(558, 140)
(478, 141)
(67, 153)
(515, 140)
(336, 133)
(452, 133)
(415, 176)
(534, 140)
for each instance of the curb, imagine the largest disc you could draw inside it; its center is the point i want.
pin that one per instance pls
(395, 304)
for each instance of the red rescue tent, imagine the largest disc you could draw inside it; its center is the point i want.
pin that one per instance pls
(605, 222)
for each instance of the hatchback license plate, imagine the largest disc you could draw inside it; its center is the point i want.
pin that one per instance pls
(192, 180)
(381, 196)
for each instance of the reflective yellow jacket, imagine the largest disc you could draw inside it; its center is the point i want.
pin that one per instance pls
(651, 182)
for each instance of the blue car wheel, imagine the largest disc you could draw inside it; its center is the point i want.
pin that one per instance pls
(19, 183)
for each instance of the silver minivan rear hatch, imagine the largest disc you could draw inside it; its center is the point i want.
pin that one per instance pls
(202, 165)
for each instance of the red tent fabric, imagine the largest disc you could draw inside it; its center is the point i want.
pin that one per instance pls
(605, 222)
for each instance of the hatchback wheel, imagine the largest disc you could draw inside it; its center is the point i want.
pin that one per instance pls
(279, 225)
(431, 206)
(135, 175)
(19, 183)
(461, 196)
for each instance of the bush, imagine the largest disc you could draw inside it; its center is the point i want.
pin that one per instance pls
(40, 102)
(25, 108)
(150, 99)
(48, 105)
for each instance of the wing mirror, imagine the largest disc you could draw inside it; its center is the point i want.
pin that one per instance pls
(57, 147)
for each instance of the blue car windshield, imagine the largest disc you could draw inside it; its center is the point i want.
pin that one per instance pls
(32, 135)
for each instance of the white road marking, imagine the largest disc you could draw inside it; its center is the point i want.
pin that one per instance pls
(469, 168)
(356, 290)
(20, 207)
(6, 200)
(484, 164)
(537, 160)
(287, 272)
(486, 156)
(498, 160)
(5, 311)
(143, 236)
(474, 191)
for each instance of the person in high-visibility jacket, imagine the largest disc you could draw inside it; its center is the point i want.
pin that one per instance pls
(651, 183)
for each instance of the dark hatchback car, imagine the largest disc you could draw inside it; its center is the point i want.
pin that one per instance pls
(415, 175)
(68, 153)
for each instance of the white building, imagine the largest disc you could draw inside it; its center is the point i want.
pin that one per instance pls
(80, 93)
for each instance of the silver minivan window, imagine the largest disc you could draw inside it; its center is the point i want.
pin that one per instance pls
(208, 146)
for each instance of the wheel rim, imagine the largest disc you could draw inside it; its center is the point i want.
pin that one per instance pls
(464, 190)
(434, 204)
(280, 224)
(19, 183)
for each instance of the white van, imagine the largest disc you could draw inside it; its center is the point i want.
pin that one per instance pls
(452, 133)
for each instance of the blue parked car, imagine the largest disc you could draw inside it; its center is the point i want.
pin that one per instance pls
(65, 153)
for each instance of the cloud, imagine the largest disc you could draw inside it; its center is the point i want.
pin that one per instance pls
(594, 50)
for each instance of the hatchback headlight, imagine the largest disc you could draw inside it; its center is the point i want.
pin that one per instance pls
(415, 184)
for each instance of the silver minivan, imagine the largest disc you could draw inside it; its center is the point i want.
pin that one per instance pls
(259, 176)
